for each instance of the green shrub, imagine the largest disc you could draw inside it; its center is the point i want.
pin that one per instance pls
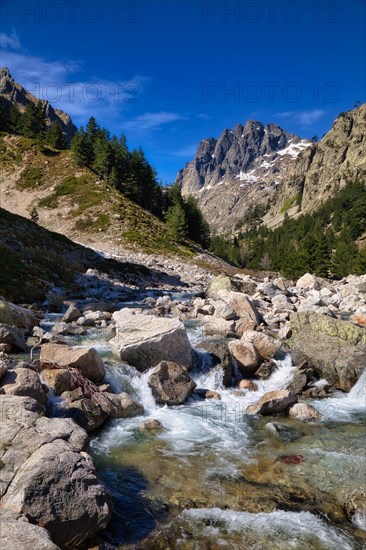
(31, 178)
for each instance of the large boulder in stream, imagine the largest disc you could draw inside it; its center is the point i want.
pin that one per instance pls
(17, 316)
(57, 488)
(250, 351)
(60, 356)
(273, 402)
(246, 356)
(13, 337)
(47, 476)
(335, 349)
(145, 340)
(24, 382)
(170, 384)
(86, 412)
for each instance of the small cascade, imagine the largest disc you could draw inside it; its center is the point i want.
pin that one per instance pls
(357, 395)
(205, 374)
(123, 377)
(344, 407)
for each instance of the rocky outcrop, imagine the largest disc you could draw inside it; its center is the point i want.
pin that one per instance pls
(87, 361)
(335, 349)
(145, 340)
(170, 383)
(47, 476)
(322, 169)
(13, 94)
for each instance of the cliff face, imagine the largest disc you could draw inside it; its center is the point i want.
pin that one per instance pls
(13, 94)
(242, 168)
(320, 171)
(264, 165)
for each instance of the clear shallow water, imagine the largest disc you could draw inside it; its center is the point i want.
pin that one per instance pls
(218, 472)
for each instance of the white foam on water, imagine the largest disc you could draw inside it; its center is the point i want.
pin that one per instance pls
(357, 395)
(194, 331)
(219, 428)
(343, 407)
(290, 528)
(359, 519)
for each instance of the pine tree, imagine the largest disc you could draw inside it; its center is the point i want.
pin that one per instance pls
(92, 131)
(102, 158)
(54, 136)
(176, 221)
(33, 122)
(80, 148)
(174, 195)
(16, 120)
(360, 262)
(344, 256)
(134, 180)
(119, 154)
(4, 120)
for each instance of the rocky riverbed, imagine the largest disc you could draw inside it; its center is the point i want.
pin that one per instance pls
(207, 413)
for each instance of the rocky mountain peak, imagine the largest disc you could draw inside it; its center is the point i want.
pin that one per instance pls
(5, 76)
(13, 94)
(244, 155)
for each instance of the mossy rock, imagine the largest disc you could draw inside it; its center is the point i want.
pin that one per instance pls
(222, 282)
(335, 349)
(346, 332)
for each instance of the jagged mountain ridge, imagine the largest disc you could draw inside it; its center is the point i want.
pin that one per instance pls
(13, 94)
(243, 167)
(295, 178)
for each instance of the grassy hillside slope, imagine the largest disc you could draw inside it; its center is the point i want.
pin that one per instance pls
(74, 202)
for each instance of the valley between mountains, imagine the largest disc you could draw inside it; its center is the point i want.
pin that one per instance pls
(181, 367)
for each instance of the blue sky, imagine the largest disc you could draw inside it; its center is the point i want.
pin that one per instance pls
(171, 72)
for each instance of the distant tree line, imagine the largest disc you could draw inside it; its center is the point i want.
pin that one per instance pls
(323, 243)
